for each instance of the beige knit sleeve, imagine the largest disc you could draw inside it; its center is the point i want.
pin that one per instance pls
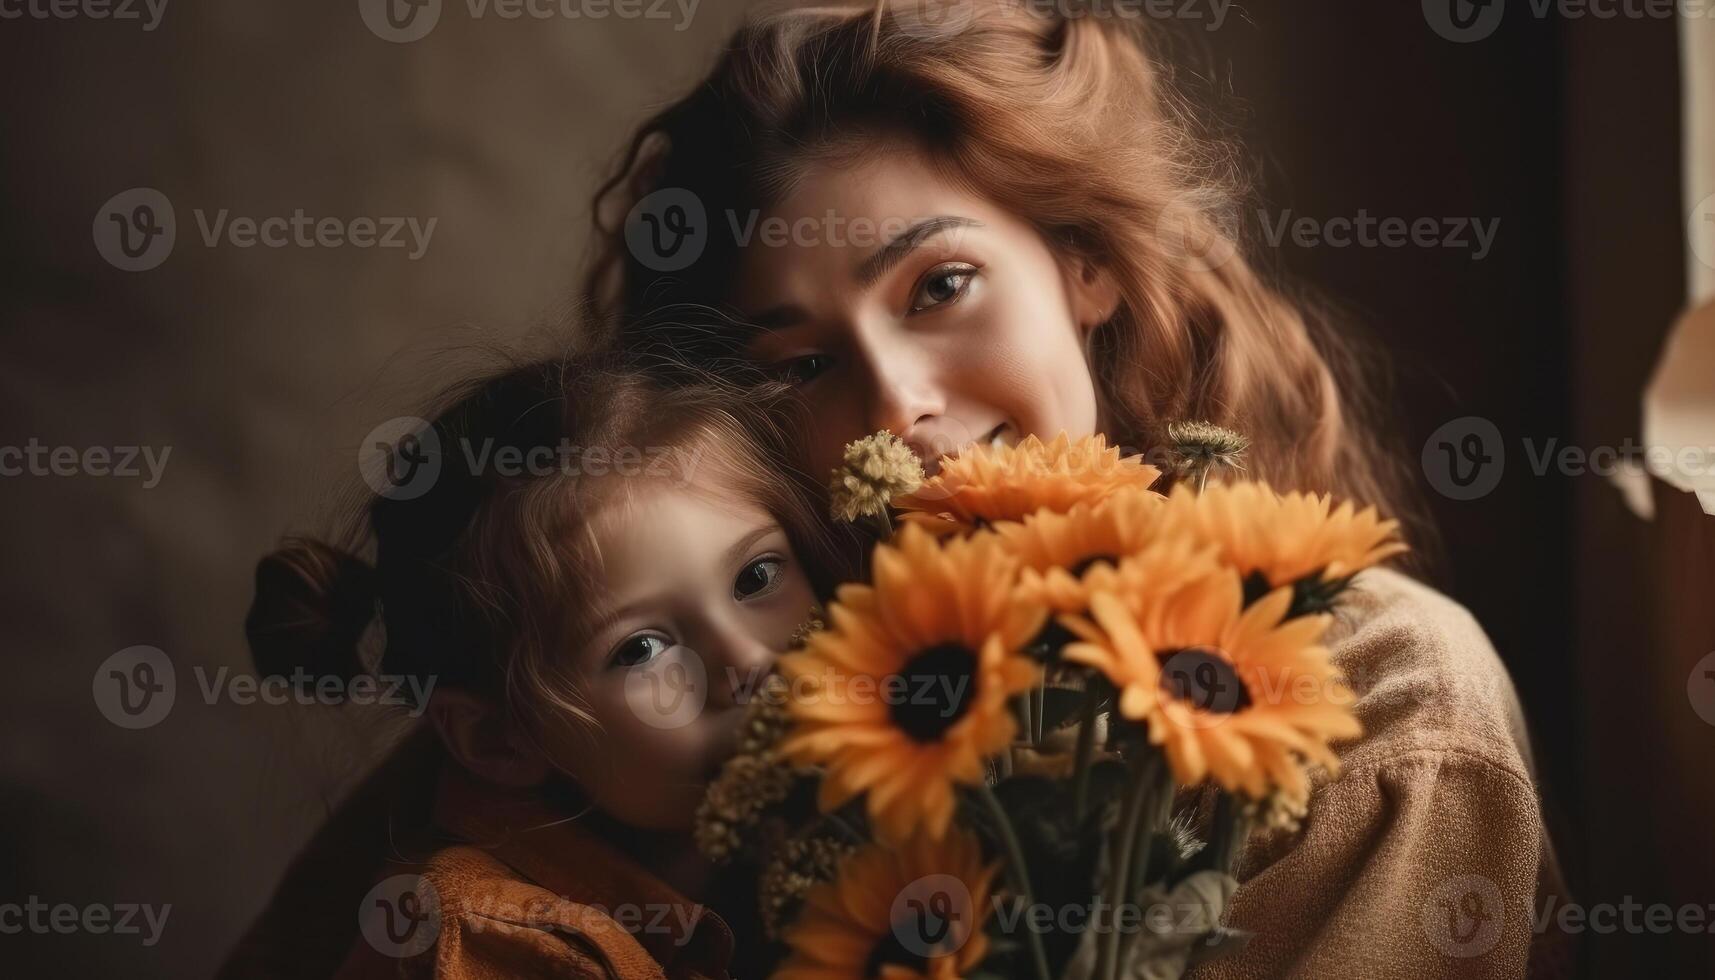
(1421, 858)
(1424, 867)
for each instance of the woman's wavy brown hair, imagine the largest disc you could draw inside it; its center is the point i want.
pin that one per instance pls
(1067, 121)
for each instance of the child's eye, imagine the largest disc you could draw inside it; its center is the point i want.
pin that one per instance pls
(800, 370)
(639, 649)
(943, 284)
(759, 578)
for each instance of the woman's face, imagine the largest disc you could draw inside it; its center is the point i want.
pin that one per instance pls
(899, 300)
(698, 596)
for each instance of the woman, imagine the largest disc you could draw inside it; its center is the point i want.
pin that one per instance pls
(1002, 222)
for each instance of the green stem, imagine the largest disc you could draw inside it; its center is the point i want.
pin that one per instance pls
(1020, 877)
(1143, 782)
(1229, 830)
(845, 828)
(1038, 709)
(1081, 756)
(1156, 813)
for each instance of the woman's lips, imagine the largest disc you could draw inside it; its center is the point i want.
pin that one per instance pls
(1001, 435)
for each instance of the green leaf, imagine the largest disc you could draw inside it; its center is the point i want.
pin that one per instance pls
(1166, 955)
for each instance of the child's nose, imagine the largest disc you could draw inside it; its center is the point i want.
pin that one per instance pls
(738, 662)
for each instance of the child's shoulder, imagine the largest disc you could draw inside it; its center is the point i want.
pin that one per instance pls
(471, 888)
(476, 916)
(1427, 678)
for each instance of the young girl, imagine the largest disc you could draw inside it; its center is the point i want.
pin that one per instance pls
(590, 573)
(998, 222)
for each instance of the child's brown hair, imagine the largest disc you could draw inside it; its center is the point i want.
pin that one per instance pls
(476, 581)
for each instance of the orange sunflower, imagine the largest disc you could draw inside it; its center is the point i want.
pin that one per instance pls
(899, 912)
(1231, 693)
(988, 484)
(904, 694)
(1285, 538)
(1065, 555)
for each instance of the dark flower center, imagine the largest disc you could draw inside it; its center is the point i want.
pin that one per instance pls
(1049, 641)
(1256, 586)
(933, 691)
(1204, 678)
(1310, 594)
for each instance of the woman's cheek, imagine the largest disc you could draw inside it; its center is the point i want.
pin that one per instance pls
(836, 419)
(1036, 366)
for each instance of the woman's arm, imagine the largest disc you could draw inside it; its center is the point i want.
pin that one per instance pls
(1423, 857)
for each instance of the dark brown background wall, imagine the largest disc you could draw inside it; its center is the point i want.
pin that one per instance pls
(1566, 131)
(262, 369)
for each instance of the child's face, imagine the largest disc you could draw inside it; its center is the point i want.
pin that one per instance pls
(700, 594)
(901, 300)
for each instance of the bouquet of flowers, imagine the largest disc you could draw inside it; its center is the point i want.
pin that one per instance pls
(968, 764)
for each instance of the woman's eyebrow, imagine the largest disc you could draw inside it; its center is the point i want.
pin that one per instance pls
(775, 318)
(869, 271)
(903, 244)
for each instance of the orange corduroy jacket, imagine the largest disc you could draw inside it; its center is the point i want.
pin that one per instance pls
(529, 894)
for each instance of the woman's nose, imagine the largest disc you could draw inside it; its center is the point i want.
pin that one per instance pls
(904, 398)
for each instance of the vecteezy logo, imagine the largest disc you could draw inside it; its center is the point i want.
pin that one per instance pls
(932, 18)
(1204, 678)
(400, 21)
(669, 692)
(1463, 21)
(401, 458)
(668, 230)
(1463, 917)
(401, 916)
(1199, 230)
(1700, 688)
(134, 230)
(932, 916)
(135, 687)
(1464, 459)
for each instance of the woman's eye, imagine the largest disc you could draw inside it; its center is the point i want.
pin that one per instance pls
(759, 578)
(943, 284)
(800, 370)
(639, 649)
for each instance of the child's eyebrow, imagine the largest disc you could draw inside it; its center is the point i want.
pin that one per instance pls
(603, 622)
(736, 552)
